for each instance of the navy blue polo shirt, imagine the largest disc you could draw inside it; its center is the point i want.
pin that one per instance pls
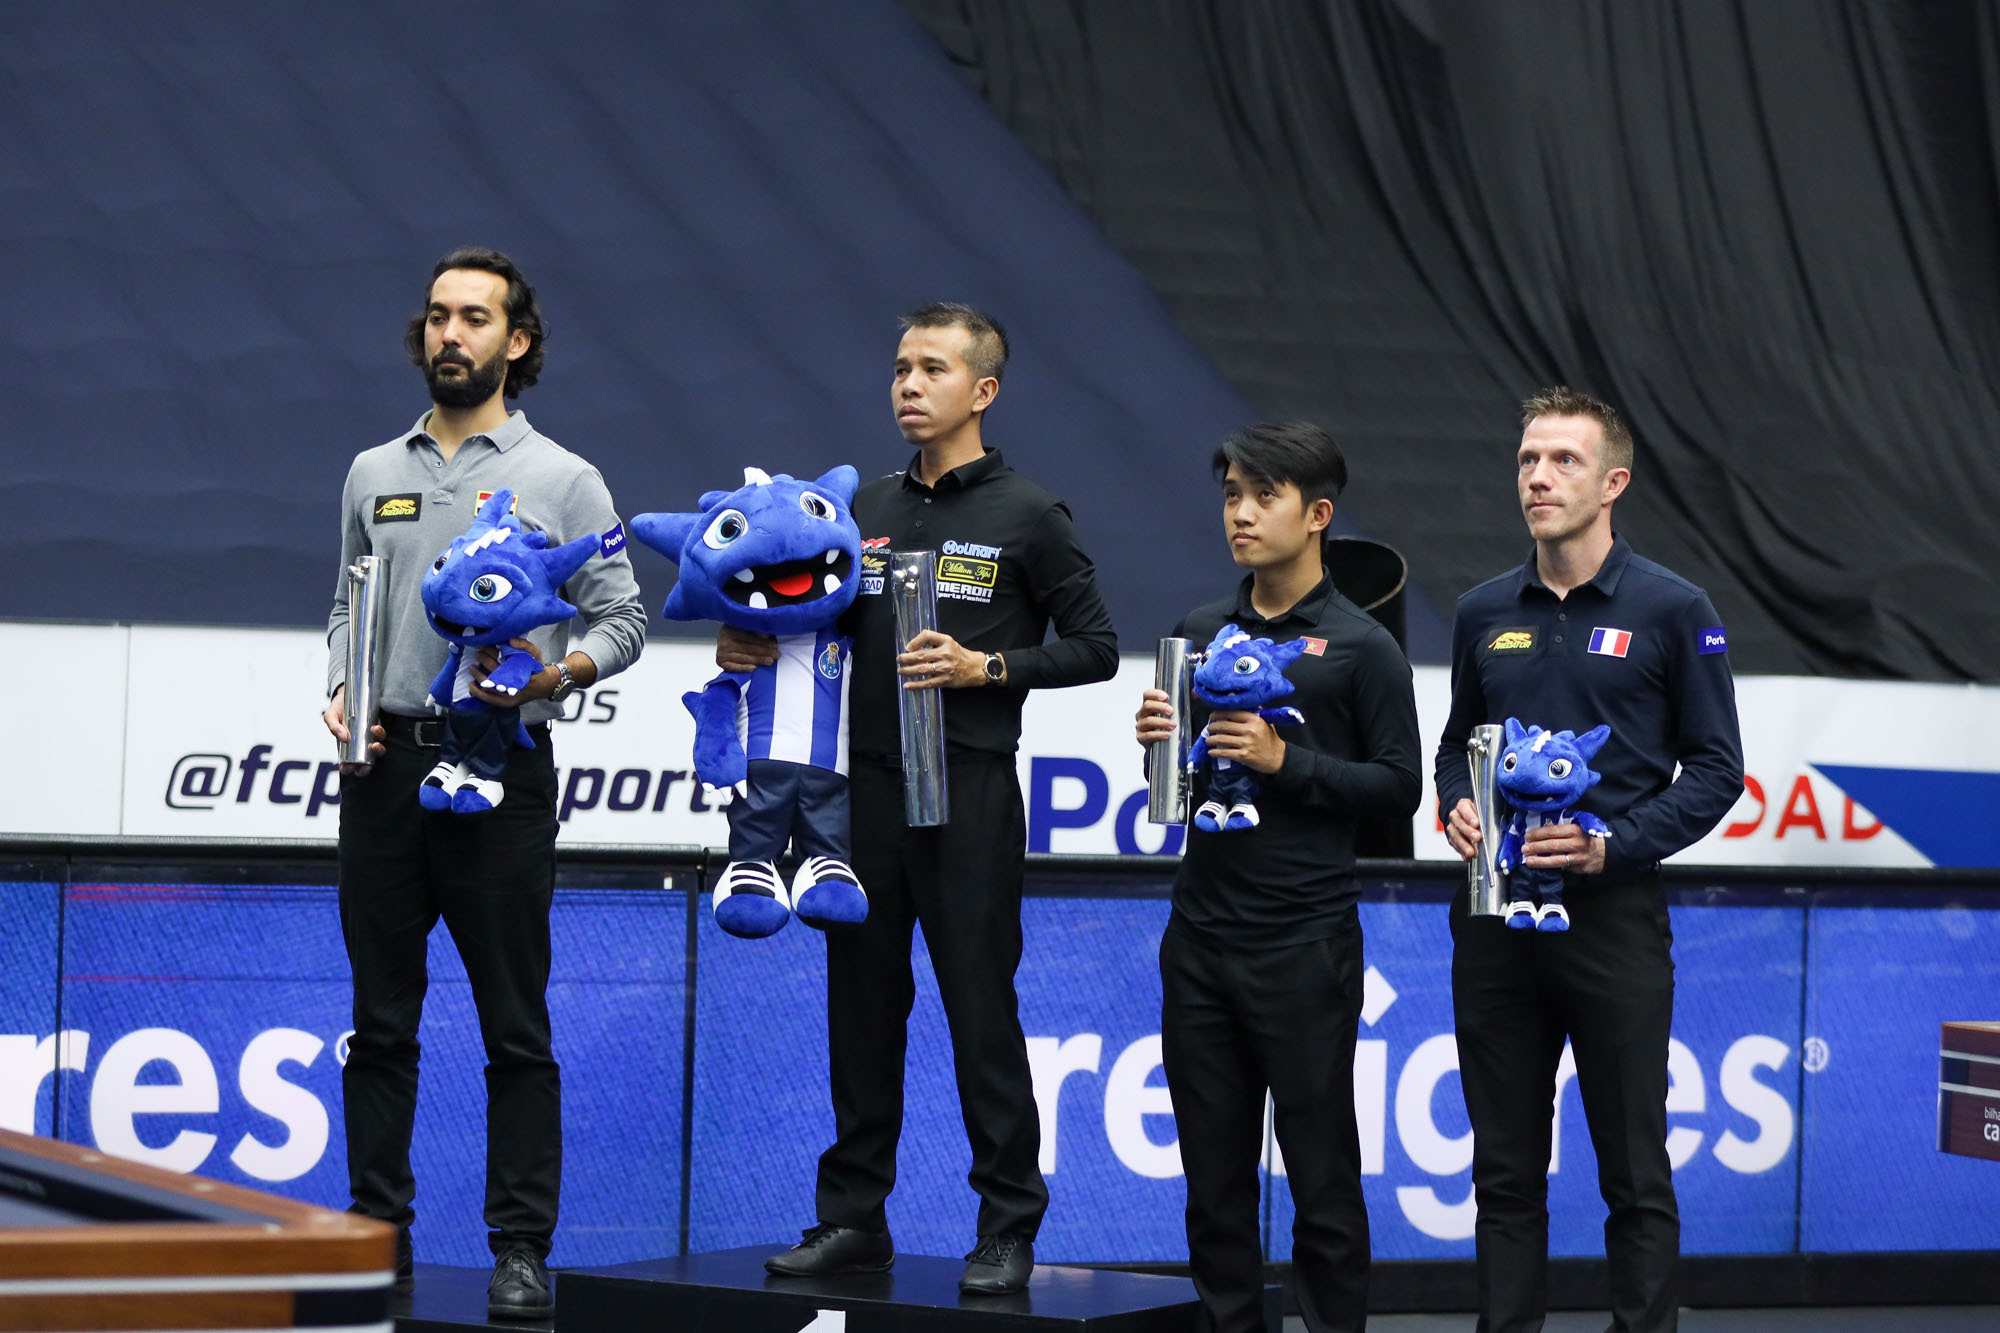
(1638, 647)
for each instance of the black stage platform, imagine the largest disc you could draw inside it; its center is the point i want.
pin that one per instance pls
(729, 1292)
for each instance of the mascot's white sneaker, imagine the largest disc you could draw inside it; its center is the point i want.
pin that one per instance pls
(1550, 918)
(476, 794)
(1520, 915)
(750, 900)
(1209, 818)
(1240, 817)
(434, 792)
(827, 892)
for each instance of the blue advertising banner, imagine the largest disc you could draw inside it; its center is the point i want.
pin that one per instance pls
(209, 1025)
(1881, 981)
(206, 1027)
(30, 921)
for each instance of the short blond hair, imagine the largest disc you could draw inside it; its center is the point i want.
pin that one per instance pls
(1562, 401)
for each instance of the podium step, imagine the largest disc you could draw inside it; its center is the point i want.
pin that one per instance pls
(728, 1291)
(448, 1300)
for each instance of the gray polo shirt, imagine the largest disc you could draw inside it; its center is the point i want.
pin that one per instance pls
(404, 501)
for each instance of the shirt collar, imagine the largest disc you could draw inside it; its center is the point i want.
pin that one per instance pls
(502, 437)
(963, 476)
(1605, 580)
(1307, 610)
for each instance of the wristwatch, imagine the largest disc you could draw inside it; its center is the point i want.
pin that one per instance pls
(996, 670)
(565, 682)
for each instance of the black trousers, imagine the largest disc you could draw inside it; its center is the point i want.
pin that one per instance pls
(491, 877)
(962, 881)
(1234, 1023)
(1606, 984)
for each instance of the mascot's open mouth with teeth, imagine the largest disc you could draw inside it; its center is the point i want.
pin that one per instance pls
(777, 555)
(789, 582)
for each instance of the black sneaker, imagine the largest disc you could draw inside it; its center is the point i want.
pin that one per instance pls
(406, 1263)
(520, 1288)
(829, 1251)
(998, 1266)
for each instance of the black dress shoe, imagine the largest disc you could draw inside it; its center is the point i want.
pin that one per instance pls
(406, 1263)
(520, 1288)
(828, 1251)
(998, 1266)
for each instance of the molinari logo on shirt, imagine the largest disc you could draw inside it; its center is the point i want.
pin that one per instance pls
(1713, 641)
(973, 549)
(398, 508)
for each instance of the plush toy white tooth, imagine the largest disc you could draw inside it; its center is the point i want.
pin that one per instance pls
(744, 576)
(832, 585)
(832, 556)
(759, 602)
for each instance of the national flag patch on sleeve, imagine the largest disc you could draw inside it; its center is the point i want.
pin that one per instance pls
(1610, 642)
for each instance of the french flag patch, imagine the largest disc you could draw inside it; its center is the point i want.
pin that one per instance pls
(1610, 642)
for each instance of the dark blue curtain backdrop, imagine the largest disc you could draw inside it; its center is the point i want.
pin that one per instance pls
(1769, 231)
(215, 219)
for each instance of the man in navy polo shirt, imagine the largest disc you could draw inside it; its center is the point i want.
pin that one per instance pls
(1585, 632)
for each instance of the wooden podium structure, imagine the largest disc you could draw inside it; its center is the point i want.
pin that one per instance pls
(89, 1241)
(1969, 1090)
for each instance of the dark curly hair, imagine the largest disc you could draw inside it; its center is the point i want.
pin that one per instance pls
(522, 313)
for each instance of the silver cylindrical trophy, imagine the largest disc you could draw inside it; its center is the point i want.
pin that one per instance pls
(1486, 885)
(367, 592)
(913, 593)
(1168, 782)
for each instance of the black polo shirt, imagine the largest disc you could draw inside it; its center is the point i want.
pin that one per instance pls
(1357, 755)
(1009, 566)
(1637, 647)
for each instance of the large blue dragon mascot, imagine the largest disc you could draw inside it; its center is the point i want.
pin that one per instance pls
(1239, 671)
(1543, 774)
(495, 583)
(779, 556)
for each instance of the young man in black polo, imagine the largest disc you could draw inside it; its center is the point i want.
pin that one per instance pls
(1010, 568)
(1585, 632)
(1260, 965)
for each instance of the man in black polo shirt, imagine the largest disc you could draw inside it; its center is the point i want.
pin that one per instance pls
(1584, 633)
(1011, 566)
(1260, 965)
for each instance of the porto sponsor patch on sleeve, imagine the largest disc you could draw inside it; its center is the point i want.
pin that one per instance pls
(1712, 641)
(613, 541)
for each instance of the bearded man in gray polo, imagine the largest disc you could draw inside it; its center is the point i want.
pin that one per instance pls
(490, 876)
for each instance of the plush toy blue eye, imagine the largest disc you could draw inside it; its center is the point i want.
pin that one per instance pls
(814, 505)
(727, 527)
(1246, 665)
(490, 588)
(1511, 762)
(1559, 768)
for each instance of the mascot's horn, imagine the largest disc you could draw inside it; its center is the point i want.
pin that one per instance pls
(756, 476)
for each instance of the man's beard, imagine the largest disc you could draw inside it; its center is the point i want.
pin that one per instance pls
(470, 390)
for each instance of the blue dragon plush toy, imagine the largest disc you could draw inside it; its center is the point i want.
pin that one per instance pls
(1240, 672)
(496, 583)
(778, 556)
(1544, 774)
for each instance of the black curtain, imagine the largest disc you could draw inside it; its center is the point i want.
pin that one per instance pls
(1769, 232)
